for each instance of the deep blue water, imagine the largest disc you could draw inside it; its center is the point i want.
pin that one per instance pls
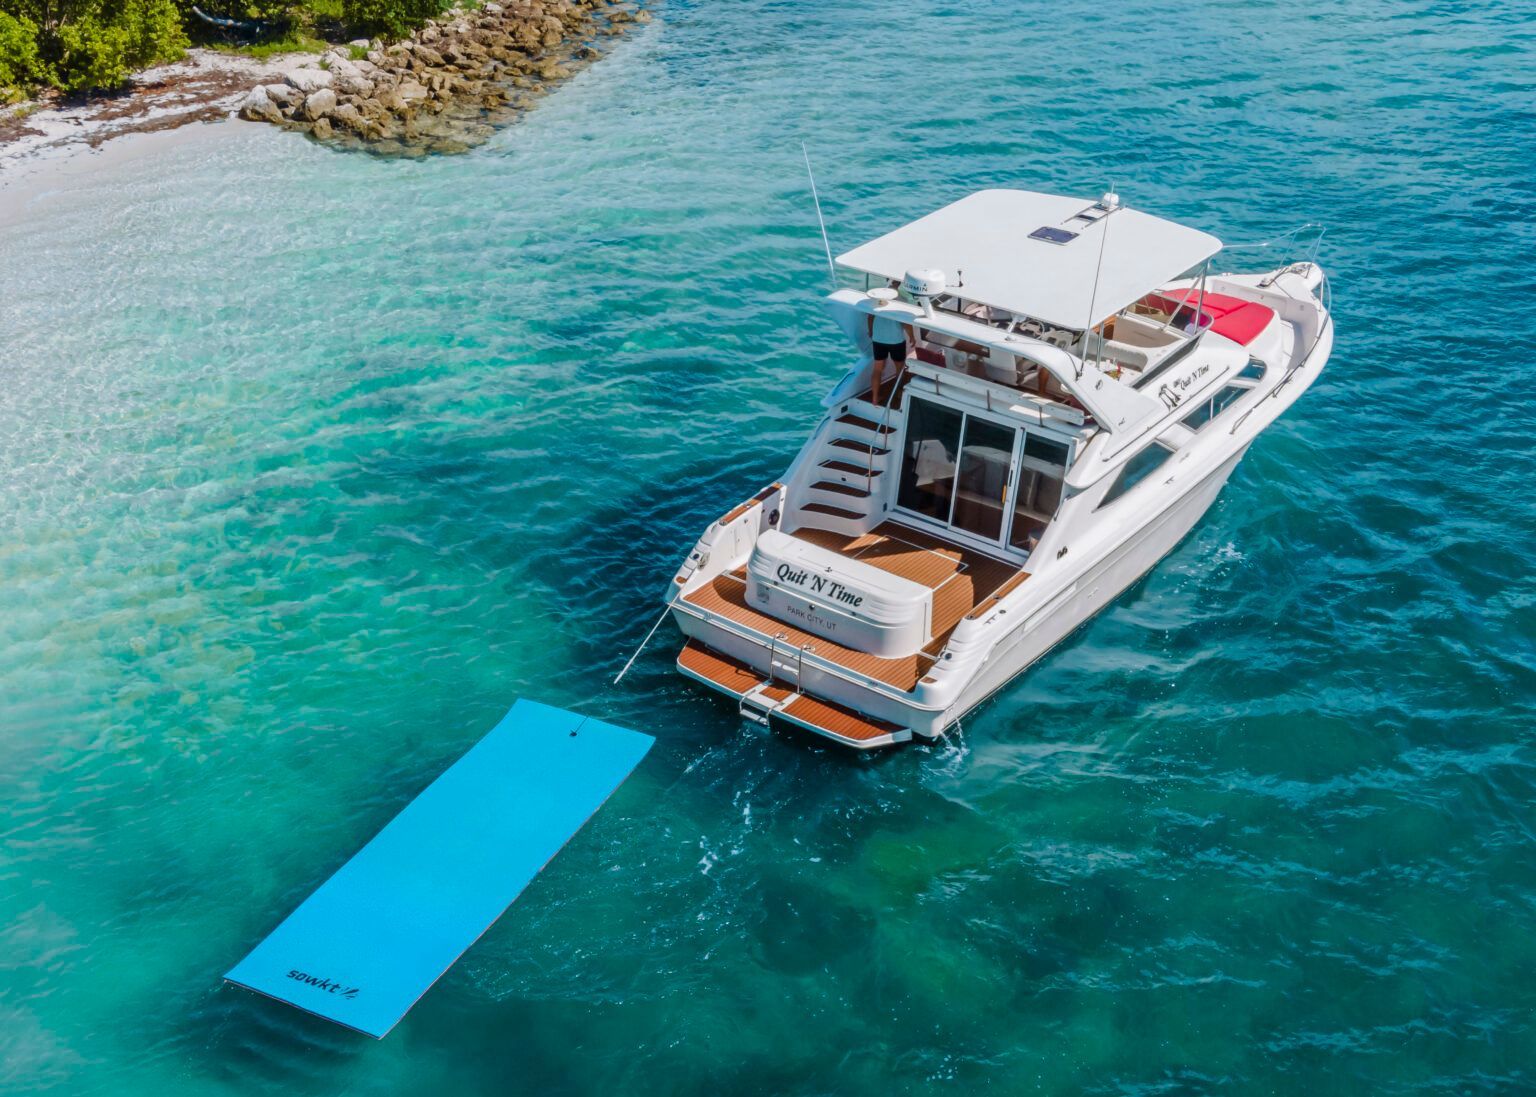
(310, 463)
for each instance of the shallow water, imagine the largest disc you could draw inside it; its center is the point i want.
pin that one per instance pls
(310, 463)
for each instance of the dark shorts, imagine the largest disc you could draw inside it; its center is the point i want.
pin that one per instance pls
(896, 352)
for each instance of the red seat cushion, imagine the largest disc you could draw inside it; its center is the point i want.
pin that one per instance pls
(1243, 324)
(1231, 317)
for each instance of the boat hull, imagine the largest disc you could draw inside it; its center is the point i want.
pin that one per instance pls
(1121, 569)
(1105, 580)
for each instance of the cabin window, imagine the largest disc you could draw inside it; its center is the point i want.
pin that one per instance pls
(929, 459)
(985, 459)
(1136, 470)
(1213, 406)
(1041, 472)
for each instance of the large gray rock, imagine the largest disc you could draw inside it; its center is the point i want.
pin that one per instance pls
(308, 80)
(319, 103)
(347, 115)
(411, 92)
(284, 95)
(257, 107)
(342, 68)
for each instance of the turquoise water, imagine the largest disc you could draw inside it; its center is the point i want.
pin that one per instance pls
(309, 464)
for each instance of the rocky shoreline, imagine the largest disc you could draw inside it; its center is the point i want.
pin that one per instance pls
(449, 86)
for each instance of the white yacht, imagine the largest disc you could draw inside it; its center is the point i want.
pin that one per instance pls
(1079, 386)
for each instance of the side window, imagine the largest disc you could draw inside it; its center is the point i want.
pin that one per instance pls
(1137, 469)
(1213, 406)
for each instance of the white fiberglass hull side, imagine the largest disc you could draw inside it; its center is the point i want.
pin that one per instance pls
(1105, 581)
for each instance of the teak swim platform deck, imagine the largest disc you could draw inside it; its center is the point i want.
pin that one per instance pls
(758, 694)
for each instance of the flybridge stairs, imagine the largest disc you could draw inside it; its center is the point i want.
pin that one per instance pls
(374, 937)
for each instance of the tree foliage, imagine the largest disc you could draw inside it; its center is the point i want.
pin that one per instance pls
(85, 44)
(389, 18)
(81, 45)
(20, 64)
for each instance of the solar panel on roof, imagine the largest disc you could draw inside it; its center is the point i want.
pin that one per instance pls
(1052, 235)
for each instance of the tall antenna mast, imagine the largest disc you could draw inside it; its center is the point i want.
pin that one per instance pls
(831, 269)
(1110, 202)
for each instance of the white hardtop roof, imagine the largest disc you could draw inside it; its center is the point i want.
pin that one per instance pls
(993, 241)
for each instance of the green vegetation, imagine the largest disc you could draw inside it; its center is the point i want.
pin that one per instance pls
(84, 45)
(294, 41)
(390, 18)
(78, 44)
(20, 64)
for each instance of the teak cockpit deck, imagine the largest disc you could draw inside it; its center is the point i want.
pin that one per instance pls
(960, 579)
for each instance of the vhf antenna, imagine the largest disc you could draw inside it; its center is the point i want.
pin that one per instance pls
(831, 269)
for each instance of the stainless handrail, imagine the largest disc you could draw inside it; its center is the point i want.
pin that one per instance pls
(773, 646)
(1325, 298)
(800, 666)
(885, 413)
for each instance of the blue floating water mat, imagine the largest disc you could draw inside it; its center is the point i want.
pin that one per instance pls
(369, 942)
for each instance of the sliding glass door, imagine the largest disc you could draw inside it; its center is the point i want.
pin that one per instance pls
(981, 486)
(958, 470)
(1042, 469)
(929, 457)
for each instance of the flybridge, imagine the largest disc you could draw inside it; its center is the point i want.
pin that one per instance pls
(1068, 262)
(1114, 404)
(1053, 298)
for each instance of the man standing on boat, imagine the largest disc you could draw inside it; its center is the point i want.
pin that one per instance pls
(889, 336)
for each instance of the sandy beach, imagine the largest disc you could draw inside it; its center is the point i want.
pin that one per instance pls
(205, 86)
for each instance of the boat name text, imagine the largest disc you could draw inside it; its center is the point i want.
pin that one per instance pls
(819, 584)
(1191, 377)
